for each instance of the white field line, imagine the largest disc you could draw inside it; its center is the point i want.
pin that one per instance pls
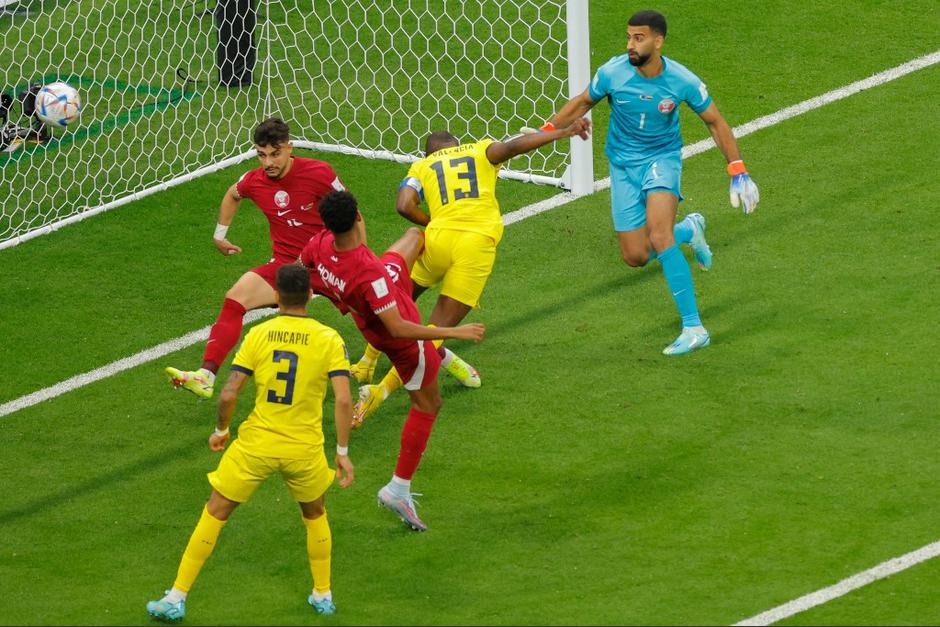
(521, 214)
(144, 356)
(805, 602)
(754, 125)
(882, 570)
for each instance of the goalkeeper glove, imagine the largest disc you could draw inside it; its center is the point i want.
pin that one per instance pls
(743, 189)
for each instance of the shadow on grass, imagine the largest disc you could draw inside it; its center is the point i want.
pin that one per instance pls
(99, 482)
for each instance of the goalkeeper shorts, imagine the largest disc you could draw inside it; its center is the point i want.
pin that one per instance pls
(630, 185)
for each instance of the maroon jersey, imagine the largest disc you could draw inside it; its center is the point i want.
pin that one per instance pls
(359, 282)
(290, 203)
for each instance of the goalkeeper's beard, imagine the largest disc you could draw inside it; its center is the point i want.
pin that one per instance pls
(640, 60)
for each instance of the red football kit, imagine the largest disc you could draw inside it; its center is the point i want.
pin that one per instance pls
(290, 205)
(359, 282)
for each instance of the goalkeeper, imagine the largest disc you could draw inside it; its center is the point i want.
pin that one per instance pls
(644, 148)
(463, 227)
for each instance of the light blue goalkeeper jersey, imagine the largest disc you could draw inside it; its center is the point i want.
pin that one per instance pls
(644, 118)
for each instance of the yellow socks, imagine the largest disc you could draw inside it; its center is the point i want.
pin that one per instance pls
(319, 549)
(198, 550)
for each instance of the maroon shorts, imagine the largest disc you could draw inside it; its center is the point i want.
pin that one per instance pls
(417, 361)
(398, 270)
(268, 272)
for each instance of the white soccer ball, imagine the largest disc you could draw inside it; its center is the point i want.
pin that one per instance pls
(58, 104)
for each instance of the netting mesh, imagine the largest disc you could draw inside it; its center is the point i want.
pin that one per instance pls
(170, 87)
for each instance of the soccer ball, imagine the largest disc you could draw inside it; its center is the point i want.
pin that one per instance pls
(58, 104)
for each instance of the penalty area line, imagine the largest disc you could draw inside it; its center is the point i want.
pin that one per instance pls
(529, 211)
(824, 595)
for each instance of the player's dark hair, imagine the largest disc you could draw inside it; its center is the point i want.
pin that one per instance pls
(293, 285)
(338, 210)
(439, 140)
(654, 19)
(272, 132)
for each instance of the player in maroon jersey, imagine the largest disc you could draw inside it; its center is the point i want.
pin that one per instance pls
(287, 189)
(377, 291)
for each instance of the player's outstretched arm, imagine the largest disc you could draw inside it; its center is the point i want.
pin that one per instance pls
(399, 327)
(743, 191)
(343, 415)
(226, 214)
(572, 110)
(498, 152)
(408, 204)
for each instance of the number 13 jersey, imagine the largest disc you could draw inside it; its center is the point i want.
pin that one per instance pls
(459, 186)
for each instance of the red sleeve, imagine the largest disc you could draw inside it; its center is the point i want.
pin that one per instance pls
(328, 178)
(306, 255)
(245, 184)
(377, 288)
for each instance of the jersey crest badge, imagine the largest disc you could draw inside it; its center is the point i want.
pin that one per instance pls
(666, 105)
(281, 199)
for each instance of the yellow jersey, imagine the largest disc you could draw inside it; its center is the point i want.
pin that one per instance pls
(459, 186)
(291, 358)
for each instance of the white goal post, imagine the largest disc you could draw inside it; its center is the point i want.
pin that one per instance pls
(173, 90)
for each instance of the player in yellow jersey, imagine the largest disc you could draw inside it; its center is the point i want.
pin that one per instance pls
(291, 358)
(463, 227)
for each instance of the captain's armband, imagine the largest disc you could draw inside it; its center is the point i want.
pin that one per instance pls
(413, 183)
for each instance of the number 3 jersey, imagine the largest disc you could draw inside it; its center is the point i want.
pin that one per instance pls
(291, 358)
(459, 186)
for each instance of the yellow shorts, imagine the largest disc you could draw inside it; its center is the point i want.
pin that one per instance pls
(239, 474)
(462, 259)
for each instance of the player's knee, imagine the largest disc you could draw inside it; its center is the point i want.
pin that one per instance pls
(432, 405)
(414, 231)
(635, 259)
(662, 241)
(415, 239)
(313, 510)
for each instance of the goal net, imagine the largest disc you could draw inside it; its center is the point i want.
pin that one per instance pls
(171, 90)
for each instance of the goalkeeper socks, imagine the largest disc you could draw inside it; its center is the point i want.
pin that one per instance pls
(200, 547)
(683, 231)
(679, 278)
(319, 550)
(224, 334)
(414, 439)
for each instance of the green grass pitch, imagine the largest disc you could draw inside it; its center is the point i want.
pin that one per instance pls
(590, 480)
